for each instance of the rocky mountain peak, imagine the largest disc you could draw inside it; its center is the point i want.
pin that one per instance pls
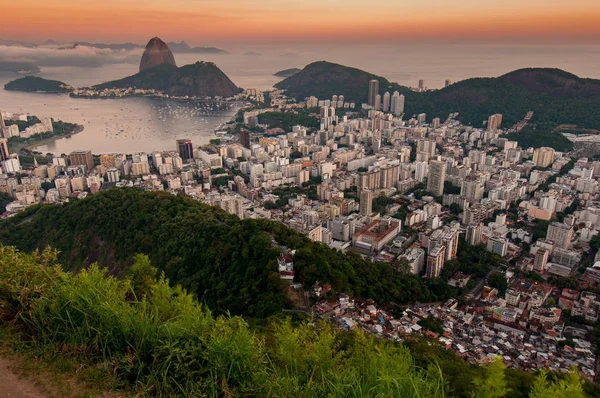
(156, 53)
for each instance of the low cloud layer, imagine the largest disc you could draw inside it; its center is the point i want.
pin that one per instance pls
(67, 55)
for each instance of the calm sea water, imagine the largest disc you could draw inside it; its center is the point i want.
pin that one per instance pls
(139, 124)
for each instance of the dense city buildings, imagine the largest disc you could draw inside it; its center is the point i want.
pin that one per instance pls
(496, 229)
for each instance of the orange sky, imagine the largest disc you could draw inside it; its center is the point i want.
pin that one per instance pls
(208, 21)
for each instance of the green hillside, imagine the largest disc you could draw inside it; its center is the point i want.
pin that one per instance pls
(556, 97)
(228, 263)
(138, 336)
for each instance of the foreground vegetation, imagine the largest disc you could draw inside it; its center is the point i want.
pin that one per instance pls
(152, 339)
(228, 263)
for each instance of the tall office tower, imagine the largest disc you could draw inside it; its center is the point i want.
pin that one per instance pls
(421, 84)
(366, 202)
(543, 157)
(494, 122)
(435, 261)
(561, 234)
(386, 101)
(2, 124)
(421, 171)
(474, 234)
(82, 158)
(377, 104)
(373, 91)
(435, 122)
(436, 177)
(341, 101)
(4, 154)
(421, 118)
(185, 148)
(245, 138)
(448, 83)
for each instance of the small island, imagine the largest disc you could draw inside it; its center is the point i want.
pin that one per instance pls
(287, 72)
(34, 84)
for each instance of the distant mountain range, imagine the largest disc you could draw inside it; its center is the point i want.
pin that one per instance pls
(556, 97)
(181, 47)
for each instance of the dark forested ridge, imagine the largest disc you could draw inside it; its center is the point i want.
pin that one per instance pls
(230, 264)
(198, 79)
(38, 84)
(557, 97)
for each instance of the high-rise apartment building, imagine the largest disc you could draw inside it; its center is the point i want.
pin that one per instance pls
(397, 104)
(82, 158)
(185, 148)
(472, 190)
(377, 104)
(435, 262)
(474, 234)
(494, 122)
(366, 202)
(373, 91)
(245, 138)
(421, 170)
(540, 259)
(543, 157)
(386, 102)
(561, 234)
(436, 177)
(497, 245)
(4, 154)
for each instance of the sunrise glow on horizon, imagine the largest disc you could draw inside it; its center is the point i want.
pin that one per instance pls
(309, 20)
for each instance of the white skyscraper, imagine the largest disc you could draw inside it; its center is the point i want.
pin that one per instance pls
(386, 101)
(377, 104)
(421, 170)
(397, 104)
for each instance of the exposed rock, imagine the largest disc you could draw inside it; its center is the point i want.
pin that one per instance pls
(157, 53)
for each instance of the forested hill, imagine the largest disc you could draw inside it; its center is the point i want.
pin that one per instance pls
(38, 84)
(230, 264)
(198, 79)
(325, 79)
(557, 97)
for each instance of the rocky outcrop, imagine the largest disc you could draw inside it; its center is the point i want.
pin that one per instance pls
(157, 53)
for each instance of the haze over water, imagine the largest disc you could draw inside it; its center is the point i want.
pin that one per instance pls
(139, 124)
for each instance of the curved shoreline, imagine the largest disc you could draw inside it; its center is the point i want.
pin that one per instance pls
(31, 147)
